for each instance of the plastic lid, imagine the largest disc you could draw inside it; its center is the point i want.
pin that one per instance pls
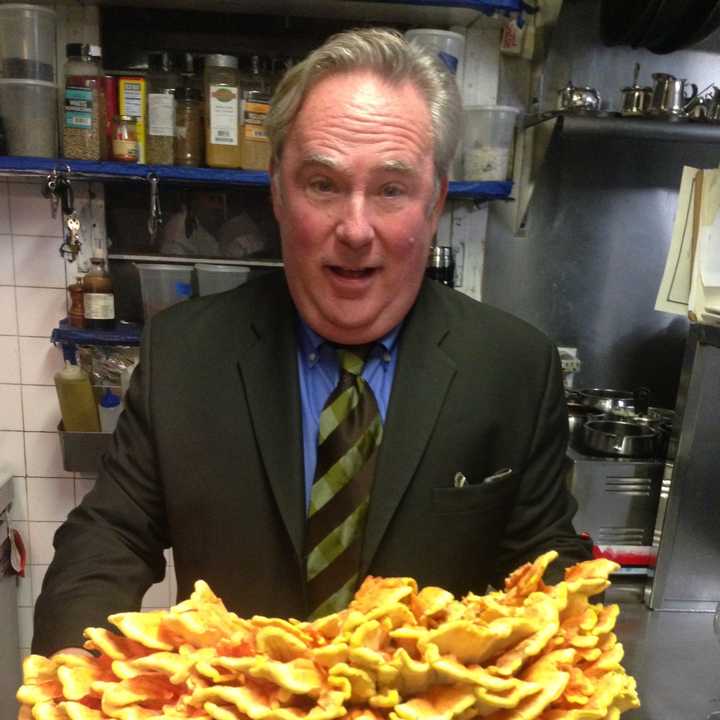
(83, 50)
(185, 63)
(109, 399)
(228, 61)
(71, 371)
(27, 6)
(36, 83)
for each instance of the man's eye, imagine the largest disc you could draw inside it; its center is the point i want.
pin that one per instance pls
(322, 186)
(392, 191)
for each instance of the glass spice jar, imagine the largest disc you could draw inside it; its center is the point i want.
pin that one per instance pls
(222, 114)
(125, 139)
(188, 126)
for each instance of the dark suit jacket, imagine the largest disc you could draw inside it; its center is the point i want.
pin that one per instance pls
(207, 458)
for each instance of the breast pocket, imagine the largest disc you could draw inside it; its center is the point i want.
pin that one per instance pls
(473, 498)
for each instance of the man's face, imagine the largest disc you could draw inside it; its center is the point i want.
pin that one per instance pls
(357, 204)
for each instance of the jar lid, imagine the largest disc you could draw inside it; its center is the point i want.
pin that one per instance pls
(126, 118)
(83, 50)
(160, 62)
(187, 93)
(228, 61)
(185, 63)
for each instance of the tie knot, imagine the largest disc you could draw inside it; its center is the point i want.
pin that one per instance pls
(352, 357)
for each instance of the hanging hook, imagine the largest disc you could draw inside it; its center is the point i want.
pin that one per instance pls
(155, 219)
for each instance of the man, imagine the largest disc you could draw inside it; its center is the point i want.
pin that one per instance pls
(453, 468)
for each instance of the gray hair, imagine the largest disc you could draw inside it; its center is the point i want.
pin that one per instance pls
(386, 53)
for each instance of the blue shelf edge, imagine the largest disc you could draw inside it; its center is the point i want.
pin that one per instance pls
(125, 334)
(484, 6)
(478, 191)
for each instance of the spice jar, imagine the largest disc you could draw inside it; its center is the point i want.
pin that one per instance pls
(162, 81)
(256, 106)
(98, 296)
(222, 114)
(76, 313)
(124, 139)
(188, 126)
(84, 131)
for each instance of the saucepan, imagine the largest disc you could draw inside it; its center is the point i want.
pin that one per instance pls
(620, 439)
(605, 399)
(578, 415)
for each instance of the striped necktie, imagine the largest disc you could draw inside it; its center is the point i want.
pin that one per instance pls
(348, 440)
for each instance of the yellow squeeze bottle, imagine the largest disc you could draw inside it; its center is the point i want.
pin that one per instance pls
(76, 398)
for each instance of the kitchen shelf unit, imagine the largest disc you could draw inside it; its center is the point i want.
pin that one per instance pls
(125, 334)
(12, 166)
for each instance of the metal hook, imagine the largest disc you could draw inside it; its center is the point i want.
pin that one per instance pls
(155, 218)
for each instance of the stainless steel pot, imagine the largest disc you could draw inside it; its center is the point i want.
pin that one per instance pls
(621, 439)
(606, 399)
(578, 415)
(578, 99)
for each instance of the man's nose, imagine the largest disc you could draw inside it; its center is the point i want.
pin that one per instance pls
(355, 227)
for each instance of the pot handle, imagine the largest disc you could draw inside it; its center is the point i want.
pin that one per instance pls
(694, 93)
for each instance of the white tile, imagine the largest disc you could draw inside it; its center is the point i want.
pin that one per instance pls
(37, 574)
(38, 262)
(7, 276)
(30, 212)
(50, 498)
(41, 537)
(4, 207)
(24, 590)
(8, 316)
(39, 360)
(39, 310)
(11, 417)
(12, 452)
(9, 359)
(25, 626)
(158, 595)
(44, 459)
(19, 510)
(83, 485)
(41, 411)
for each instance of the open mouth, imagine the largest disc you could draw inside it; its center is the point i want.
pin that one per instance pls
(351, 273)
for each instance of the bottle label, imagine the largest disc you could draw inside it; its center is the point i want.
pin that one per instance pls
(161, 114)
(125, 150)
(254, 114)
(99, 306)
(78, 107)
(223, 115)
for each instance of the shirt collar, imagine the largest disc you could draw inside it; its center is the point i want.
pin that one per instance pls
(310, 342)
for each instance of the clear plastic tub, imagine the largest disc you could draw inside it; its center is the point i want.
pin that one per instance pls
(489, 132)
(29, 111)
(449, 47)
(219, 278)
(27, 42)
(163, 285)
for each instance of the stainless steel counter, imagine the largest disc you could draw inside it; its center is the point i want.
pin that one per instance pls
(675, 658)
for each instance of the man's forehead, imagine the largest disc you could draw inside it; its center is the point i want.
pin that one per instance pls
(399, 165)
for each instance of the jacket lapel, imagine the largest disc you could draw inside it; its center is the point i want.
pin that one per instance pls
(422, 378)
(268, 366)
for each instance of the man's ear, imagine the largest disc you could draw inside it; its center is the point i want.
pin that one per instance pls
(439, 203)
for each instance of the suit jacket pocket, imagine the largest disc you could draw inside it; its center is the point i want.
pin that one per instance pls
(471, 498)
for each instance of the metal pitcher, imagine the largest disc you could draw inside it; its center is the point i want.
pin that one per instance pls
(669, 96)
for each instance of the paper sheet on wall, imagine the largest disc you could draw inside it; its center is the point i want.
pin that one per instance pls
(674, 292)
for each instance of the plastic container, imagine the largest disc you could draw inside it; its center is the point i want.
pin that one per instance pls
(163, 285)
(109, 411)
(77, 400)
(188, 126)
(161, 84)
(447, 45)
(29, 112)
(27, 42)
(219, 278)
(488, 136)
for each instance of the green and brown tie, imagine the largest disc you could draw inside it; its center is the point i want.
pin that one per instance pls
(348, 440)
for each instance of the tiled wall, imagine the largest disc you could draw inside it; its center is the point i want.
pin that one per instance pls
(33, 278)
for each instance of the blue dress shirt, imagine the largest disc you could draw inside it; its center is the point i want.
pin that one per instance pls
(319, 372)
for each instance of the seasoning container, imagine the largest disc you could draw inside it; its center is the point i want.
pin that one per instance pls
(76, 313)
(77, 401)
(222, 114)
(111, 108)
(98, 297)
(256, 106)
(84, 127)
(188, 126)
(132, 101)
(161, 84)
(124, 139)
(109, 411)
(441, 265)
